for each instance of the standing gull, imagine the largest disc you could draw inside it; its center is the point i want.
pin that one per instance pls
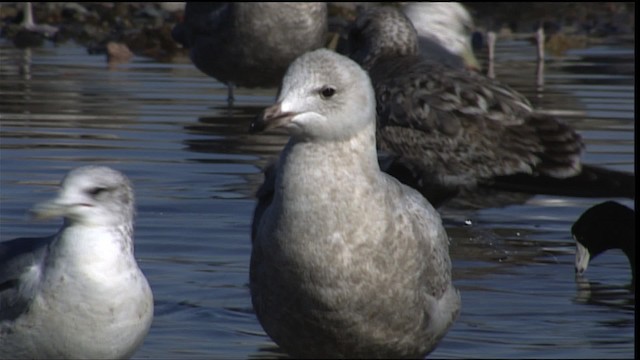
(456, 129)
(250, 44)
(78, 293)
(346, 261)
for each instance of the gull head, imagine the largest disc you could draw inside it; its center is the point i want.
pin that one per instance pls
(324, 96)
(381, 31)
(91, 195)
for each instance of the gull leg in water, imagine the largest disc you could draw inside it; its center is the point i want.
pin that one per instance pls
(491, 45)
(32, 34)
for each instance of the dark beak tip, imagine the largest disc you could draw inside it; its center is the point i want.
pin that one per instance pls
(257, 125)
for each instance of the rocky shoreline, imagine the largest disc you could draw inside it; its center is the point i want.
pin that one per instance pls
(145, 28)
(123, 29)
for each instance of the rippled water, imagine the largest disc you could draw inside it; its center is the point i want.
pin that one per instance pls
(195, 168)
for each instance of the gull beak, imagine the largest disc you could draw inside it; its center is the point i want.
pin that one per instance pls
(271, 117)
(582, 258)
(49, 209)
(63, 205)
(470, 60)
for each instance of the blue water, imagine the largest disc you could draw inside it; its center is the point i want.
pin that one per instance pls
(195, 169)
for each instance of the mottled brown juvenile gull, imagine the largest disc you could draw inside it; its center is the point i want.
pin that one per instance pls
(456, 129)
(346, 261)
(250, 44)
(79, 293)
(444, 32)
(608, 225)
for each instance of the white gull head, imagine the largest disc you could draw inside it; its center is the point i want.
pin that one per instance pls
(324, 96)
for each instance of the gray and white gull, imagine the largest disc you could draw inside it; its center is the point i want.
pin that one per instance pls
(78, 293)
(250, 44)
(451, 130)
(346, 261)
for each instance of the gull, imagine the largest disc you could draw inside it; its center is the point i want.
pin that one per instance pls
(454, 130)
(346, 261)
(78, 293)
(250, 44)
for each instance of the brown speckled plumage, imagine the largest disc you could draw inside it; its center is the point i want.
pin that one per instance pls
(457, 127)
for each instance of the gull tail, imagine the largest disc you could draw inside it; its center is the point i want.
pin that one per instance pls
(592, 181)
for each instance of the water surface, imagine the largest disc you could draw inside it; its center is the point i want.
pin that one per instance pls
(195, 169)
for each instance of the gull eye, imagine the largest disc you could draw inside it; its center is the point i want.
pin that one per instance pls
(327, 92)
(96, 191)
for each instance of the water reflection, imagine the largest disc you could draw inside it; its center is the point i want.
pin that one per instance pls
(608, 295)
(226, 138)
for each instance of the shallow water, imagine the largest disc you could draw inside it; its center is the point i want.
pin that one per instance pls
(195, 168)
